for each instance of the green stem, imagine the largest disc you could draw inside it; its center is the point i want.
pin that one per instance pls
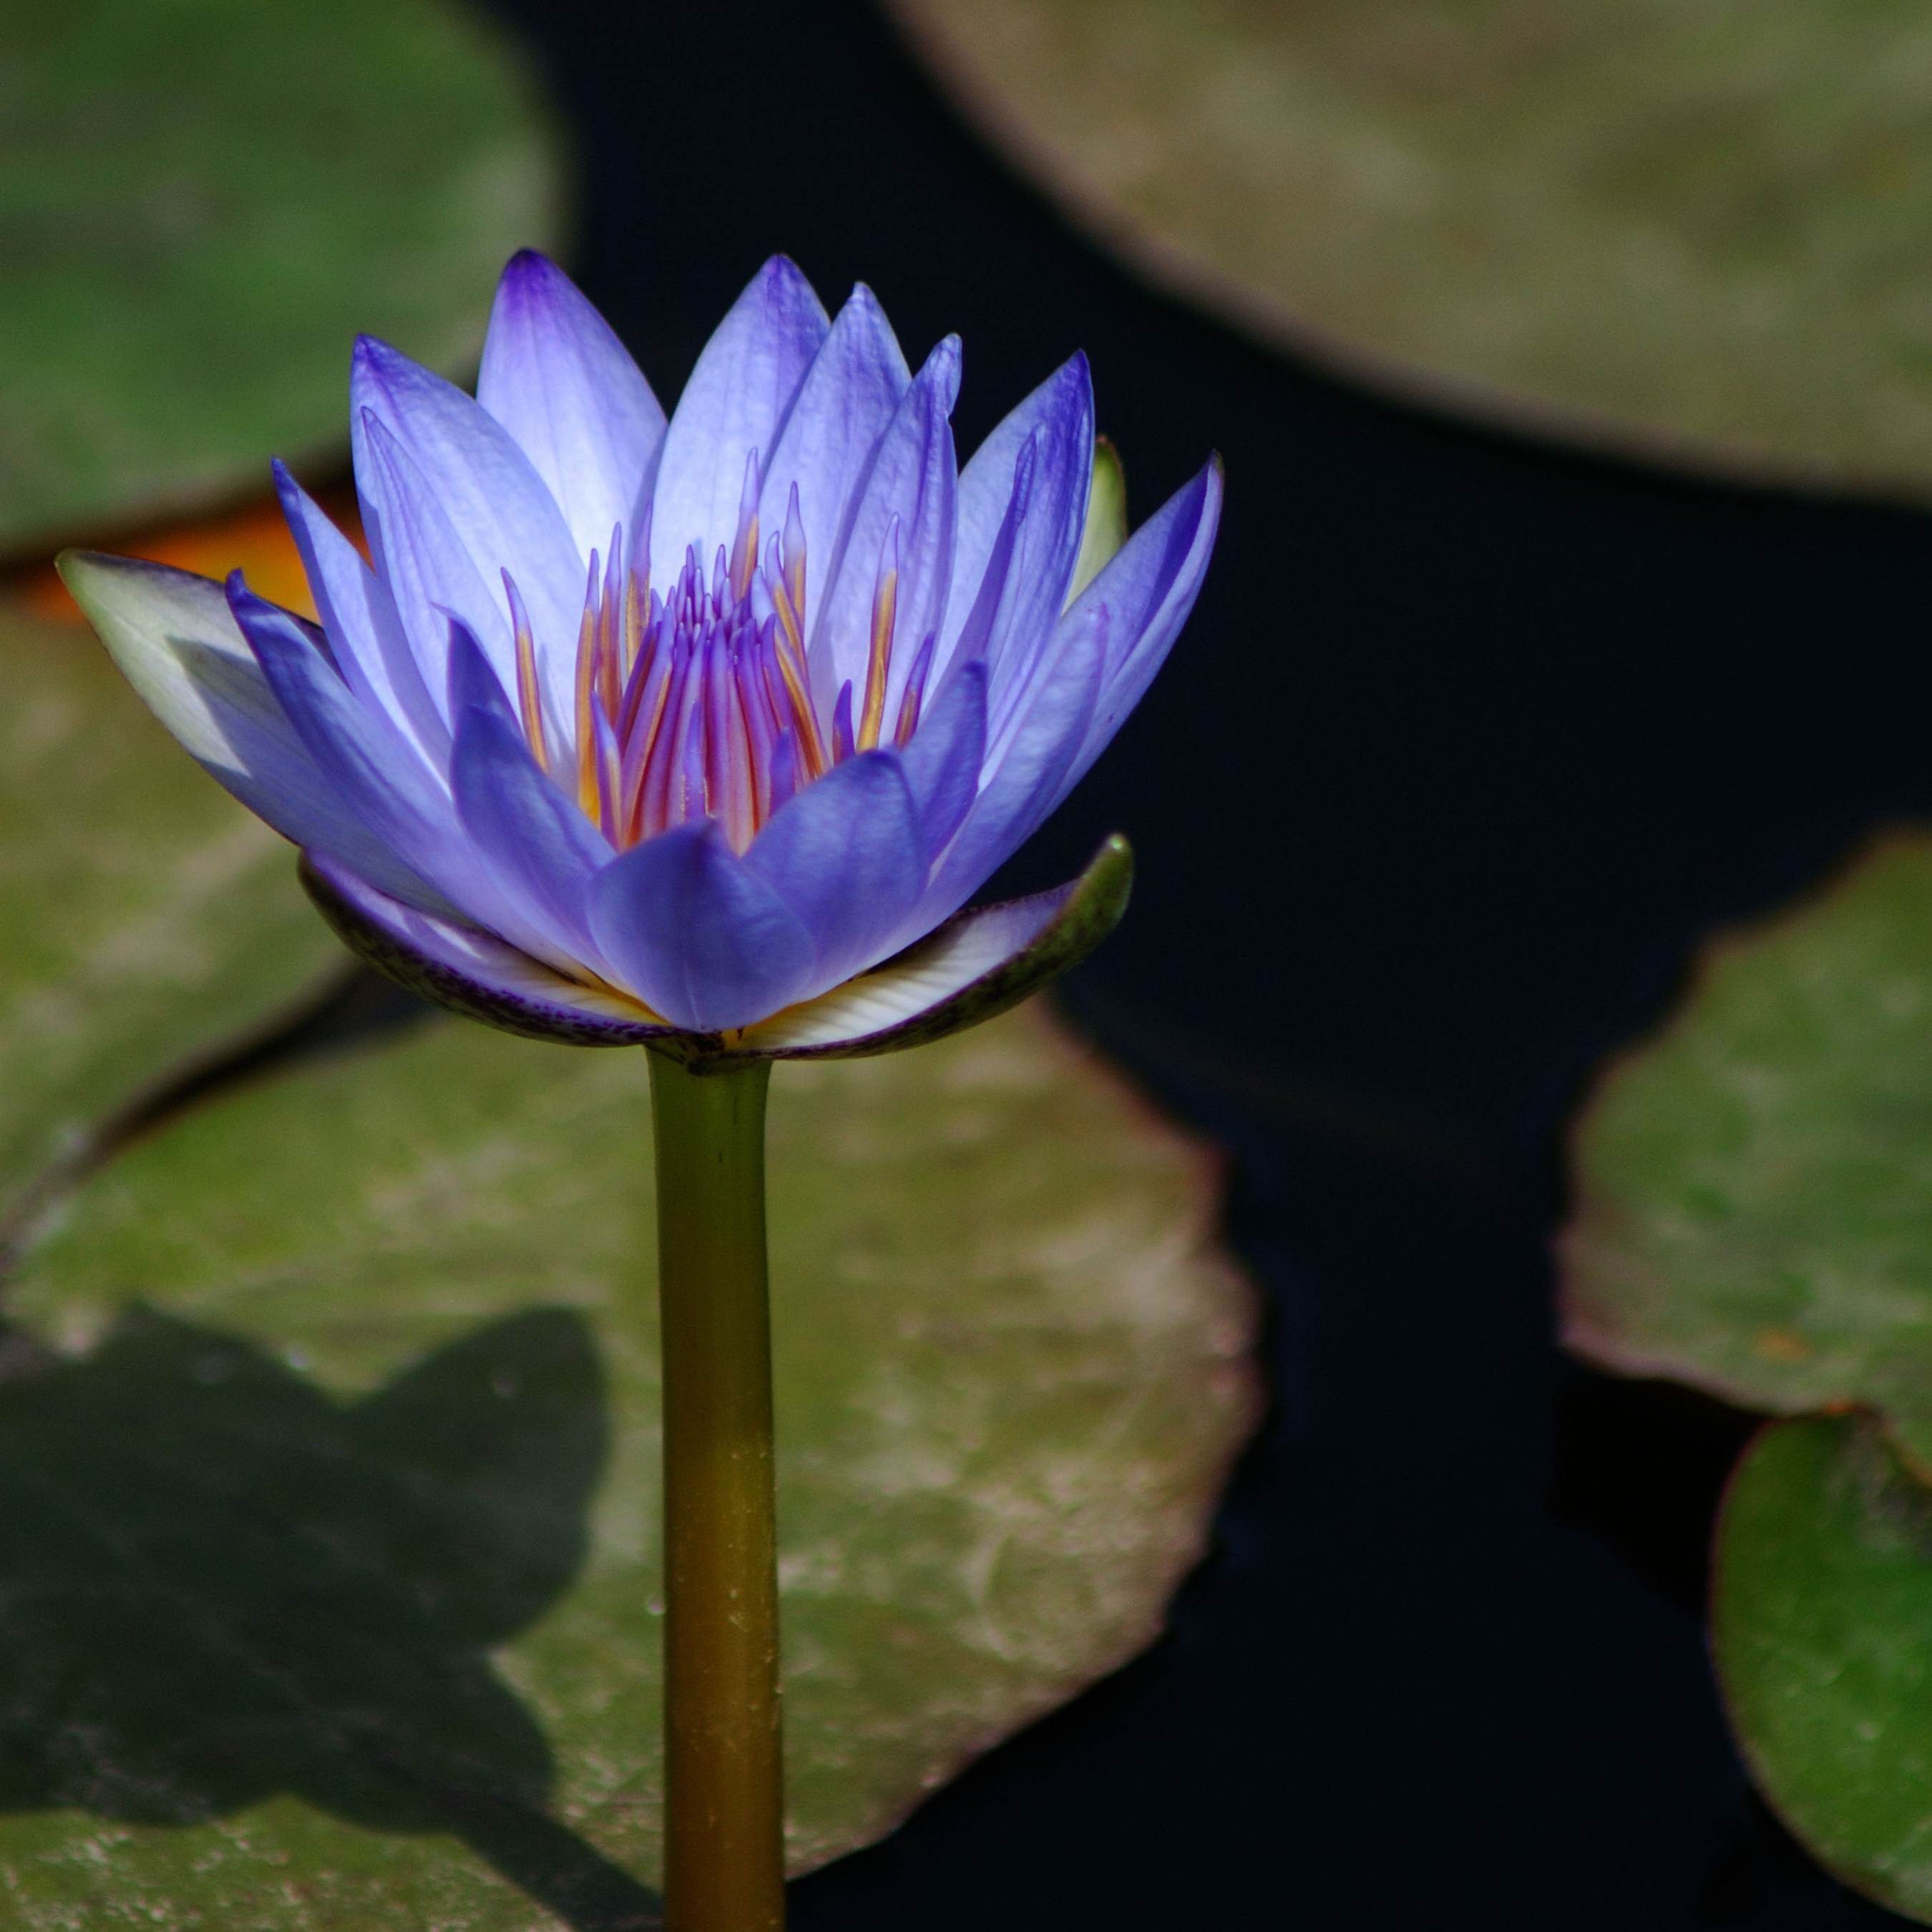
(724, 1782)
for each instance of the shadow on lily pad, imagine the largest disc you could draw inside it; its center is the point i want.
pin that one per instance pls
(218, 1583)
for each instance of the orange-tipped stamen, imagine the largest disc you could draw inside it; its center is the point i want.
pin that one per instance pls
(879, 665)
(529, 693)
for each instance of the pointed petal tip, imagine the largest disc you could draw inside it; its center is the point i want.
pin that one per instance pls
(530, 262)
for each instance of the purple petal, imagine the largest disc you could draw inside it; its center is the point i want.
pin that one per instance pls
(976, 966)
(495, 505)
(544, 852)
(375, 773)
(557, 377)
(944, 761)
(1146, 593)
(1025, 768)
(695, 935)
(911, 482)
(427, 568)
(177, 643)
(472, 971)
(846, 856)
(841, 409)
(736, 401)
(364, 631)
(1060, 415)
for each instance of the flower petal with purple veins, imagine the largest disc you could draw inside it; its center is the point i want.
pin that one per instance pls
(697, 936)
(544, 853)
(1147, 591)
(736, 401)
(1023, 772)
(846, 855)
(177, 642)
(491, 497)
(944, 759)
(556, 377)
(374, 773)
(841, 411)
(1061, 412)
(359, 615)
(907, 497)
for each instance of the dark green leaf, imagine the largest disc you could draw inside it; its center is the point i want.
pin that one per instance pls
(329, 1538)
(1754, 1186)
(1822, 1632)
(202, 203)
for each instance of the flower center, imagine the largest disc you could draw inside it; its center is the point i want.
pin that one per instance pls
(699, 703)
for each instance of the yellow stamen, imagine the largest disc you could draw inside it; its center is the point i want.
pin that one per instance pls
(610, 786)
(529, 696)
(746, 561)
(587, 737)
(885, 605)
(634, 625)
(810, 744)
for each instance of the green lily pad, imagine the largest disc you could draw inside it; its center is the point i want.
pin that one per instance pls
(1822, 1633)
(202, 203)
(145, 919)
(1754, 1185)
(328, 1469)
(1695, 230)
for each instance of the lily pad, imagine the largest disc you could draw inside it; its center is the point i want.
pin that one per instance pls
(1695, 230)
(1754, 1186)
(200, 204)
(328, 1469)
(1822, 1633)
(146, 920)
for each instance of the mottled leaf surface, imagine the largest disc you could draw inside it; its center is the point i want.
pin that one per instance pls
(1754, 1185)
(200, 205)
(328, 1470)
(1697, 229)
(145, 919)
(1823, 1634)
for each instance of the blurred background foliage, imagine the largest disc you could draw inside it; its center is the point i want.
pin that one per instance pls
(1694, 228)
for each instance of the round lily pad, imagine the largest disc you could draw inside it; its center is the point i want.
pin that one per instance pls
(146, 921)
(202, 203)
(1696, 230)
(1754, 1185)
(1822, 1629)
(329, 1586)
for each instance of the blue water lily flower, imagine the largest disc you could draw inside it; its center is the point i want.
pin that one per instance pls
(698, 734)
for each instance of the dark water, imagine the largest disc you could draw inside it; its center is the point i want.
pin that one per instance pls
(1470, 743)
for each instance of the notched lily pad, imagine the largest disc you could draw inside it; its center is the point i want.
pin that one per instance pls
(1821, 1630)
(1695, 230)
(145, 920)
(200, 204)
(1754, 1185)
(334, 1413)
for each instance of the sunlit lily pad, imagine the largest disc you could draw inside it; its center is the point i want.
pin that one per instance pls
(328, 1519)
(145, 920)
(1754, 1185)
(1696, 228)
(1822, 1633)
(200, 205)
